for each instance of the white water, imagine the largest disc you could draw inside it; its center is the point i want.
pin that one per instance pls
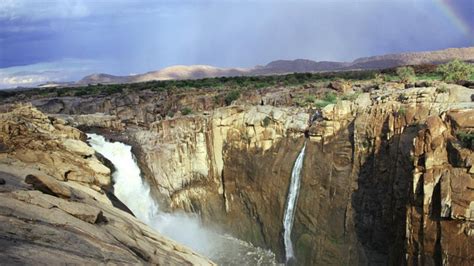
(292, 199)
(181, 227)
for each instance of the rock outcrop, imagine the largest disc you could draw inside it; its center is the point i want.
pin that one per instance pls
(200, 173)
(34, 138)
(52, 207)
(233, 166)
(441, 213)
(386, 178)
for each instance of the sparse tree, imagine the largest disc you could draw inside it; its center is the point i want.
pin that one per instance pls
(231, 96)
(406, 74)
(456, 71)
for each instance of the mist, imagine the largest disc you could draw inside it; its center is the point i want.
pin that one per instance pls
(133, 192)
(184, 228)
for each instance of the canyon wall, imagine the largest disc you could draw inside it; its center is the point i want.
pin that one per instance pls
(233, 167)
(53, 203)
(386, 179)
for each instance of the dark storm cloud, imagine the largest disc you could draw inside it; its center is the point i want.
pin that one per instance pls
(138, 36)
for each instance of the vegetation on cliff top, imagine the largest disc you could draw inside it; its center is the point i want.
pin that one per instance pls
(467, 138)
(456, 71)
(453, 71)
(406, 74)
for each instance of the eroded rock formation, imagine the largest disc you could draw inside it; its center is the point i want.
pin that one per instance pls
(53, 209)
(357, 176)
(386, 179)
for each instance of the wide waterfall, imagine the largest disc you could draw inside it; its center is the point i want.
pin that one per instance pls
(181, 227)
(292, 199)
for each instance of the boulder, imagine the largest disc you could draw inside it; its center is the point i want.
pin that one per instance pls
(58, 149)
(49, 186)
(78, 147)
(341, 86)
(462, 119)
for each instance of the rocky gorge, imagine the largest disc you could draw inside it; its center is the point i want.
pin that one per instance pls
(387, 177)
(54, 203)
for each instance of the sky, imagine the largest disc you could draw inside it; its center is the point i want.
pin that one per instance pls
(63, 40)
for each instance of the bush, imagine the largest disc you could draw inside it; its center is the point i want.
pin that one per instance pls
(266, 121)
(82, 92)
(310, 99)
(442, 89)
(380, 78)
(62, 92)
(456, 71)
(406, 74)
(322, 104)
(186, 111)
(111, 89)
(330, 97)
(402, 97)
(467, 138)
(351, 97)
(231, 96)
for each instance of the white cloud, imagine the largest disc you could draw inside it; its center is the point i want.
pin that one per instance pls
(43, 9)
(24, 80)
(58, 71)
(9, 8)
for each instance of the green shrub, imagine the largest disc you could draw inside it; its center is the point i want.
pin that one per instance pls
(467, 138)
(402, 97)
(82, 92)
(456, 71)
(111, 89)
(380, 78)
(350, 97)
(62, 92)
(406, 74)
(322, 104)
(186, 111)
(310, 99)
(330, 97)
(266, 121)
(442, 89)
(231, 96)
(299, 102)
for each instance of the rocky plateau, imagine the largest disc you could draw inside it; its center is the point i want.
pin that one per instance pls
(387, 177)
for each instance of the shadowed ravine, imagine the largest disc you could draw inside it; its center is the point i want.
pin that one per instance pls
(181, 227)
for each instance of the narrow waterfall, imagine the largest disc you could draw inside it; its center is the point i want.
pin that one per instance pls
(184, 228)
(291, 201)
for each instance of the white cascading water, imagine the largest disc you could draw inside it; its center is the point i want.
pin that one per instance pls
(292, 199)
(181, 227)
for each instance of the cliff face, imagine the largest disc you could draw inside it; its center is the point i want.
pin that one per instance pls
(441, 212)
(52, 205)
(386, 179)
(357, 199)
(214, 165)
(233, 167)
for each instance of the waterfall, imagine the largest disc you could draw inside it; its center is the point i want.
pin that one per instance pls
(292, 199)
(184, 228)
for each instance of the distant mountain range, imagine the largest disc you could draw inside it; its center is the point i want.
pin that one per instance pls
(287, 66)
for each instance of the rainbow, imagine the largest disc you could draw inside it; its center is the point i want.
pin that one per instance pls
(461, 12)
